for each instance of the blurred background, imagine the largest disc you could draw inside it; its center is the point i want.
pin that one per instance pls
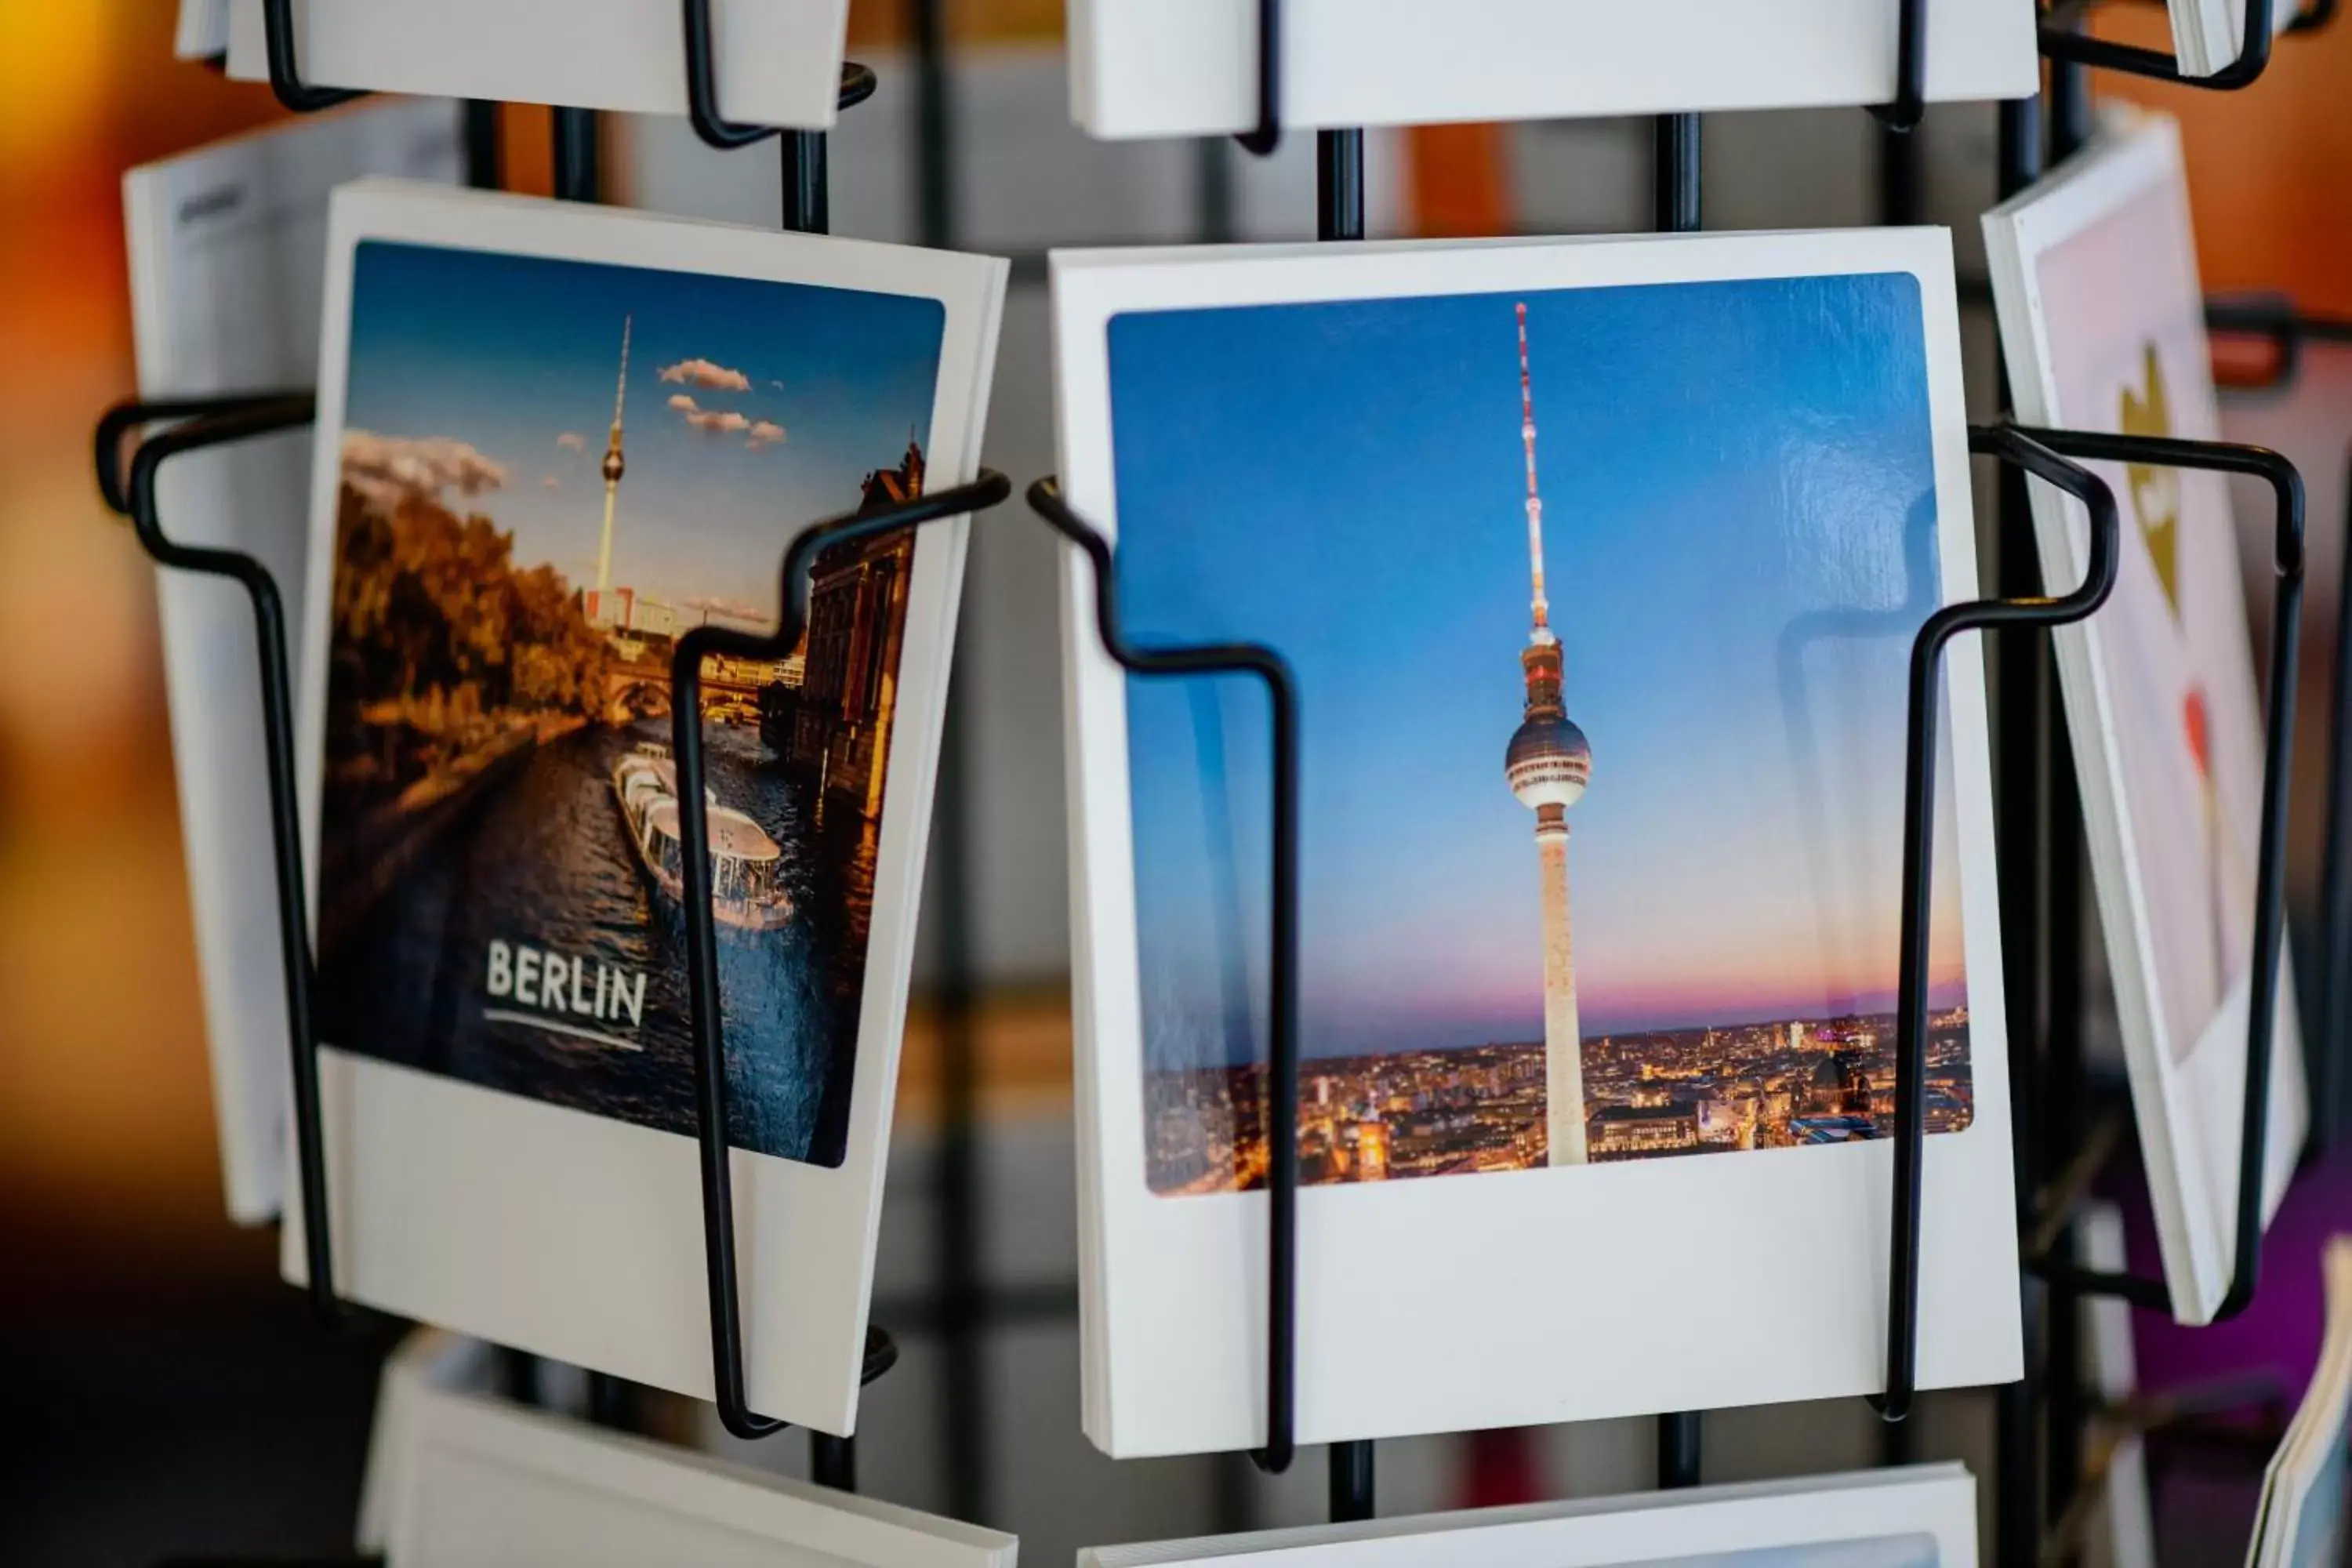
(171, 1397)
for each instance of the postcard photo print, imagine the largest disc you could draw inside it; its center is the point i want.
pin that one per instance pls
(552, 440)
(499, 883)
(1599, 565)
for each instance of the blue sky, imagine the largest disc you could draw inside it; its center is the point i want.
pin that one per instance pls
(508, 353)
(1739, 525)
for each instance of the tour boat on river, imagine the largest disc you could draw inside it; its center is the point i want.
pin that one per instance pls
(747, 867)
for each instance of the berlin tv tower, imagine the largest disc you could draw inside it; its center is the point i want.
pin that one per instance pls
(1548, 765)
(612, 467)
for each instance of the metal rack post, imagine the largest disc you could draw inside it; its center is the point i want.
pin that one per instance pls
(2335, 1008)
(1339, 216)
(1677, 209)
(2064, 1088)
(578, 171)
(2019, 681)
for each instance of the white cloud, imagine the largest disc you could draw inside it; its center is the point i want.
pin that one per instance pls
(727, 422)
(715, 421)
(705, 373)
(387, 470)
(572, 441)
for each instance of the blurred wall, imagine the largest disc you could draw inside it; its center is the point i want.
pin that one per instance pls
(106, 1114)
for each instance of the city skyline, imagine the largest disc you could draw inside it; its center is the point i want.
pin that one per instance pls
(753, 407)
(1739, 479)
(1649, 1094)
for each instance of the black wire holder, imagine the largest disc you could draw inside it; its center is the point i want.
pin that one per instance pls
(701, 935)
(1261, 139)
(2064, 39)
(2054, 1265)
(2055, 1169)
(1352, 1475)
(833, 1460)
(286, 71)
(857, 84)
(215, 422)
(133, 414)
(1339, 216)
(1904, 112)
(2026, 452)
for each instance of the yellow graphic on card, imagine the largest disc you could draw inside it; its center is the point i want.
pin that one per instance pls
(2155, 504)
(2155, 491)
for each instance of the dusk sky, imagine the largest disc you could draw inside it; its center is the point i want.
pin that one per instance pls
(511, 355)
(1740, 528)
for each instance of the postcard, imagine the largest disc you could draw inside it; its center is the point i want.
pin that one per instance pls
(1915, 1516)
(226, 248)
(1599, 564)
(2300, 1520)
(778, 62)
(2102, 320)
(1188, 67)
(464, 1478)
(554, 438)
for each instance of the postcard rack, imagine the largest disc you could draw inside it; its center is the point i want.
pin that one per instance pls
(2040, 1475)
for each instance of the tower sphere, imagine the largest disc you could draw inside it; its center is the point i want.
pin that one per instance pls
(1548, 762)
(612, 465)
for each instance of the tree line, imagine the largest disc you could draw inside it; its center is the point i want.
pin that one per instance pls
(438, 633)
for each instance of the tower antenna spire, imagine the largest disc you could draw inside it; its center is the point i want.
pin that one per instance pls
(620, 387)
(1540, 605)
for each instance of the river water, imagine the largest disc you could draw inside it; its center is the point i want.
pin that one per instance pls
(543, 858)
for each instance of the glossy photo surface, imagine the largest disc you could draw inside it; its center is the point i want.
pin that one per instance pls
(551, 470)
(1601, 602)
